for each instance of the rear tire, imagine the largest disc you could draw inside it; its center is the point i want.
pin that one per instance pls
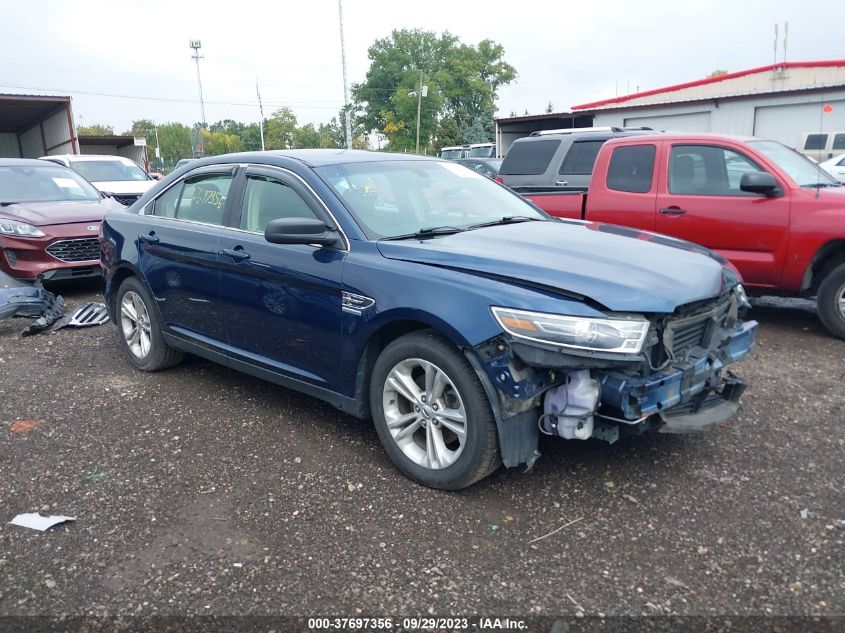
(432, 414)
(831, 301)
(139, 328)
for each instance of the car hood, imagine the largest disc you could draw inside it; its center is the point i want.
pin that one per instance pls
(622, 269)
(124, 186)
(63, 212)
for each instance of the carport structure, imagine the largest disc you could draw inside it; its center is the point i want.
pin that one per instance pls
(36, 125)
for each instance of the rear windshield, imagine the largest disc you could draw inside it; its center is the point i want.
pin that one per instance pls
(529, 158)
(481, 152)
(451, 154)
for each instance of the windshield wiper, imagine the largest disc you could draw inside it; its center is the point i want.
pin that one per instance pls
(433, 231)
(508, 219)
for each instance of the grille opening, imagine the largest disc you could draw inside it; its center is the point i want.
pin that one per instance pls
(79, 250)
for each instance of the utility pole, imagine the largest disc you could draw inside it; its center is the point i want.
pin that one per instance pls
(419, 93)
(345, 83)
(196, 45)
(261, 110)
(158, 150)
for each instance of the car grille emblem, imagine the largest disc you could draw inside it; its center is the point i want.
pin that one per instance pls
(93, 227)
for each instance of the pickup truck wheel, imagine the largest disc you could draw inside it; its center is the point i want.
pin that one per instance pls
(139, 328)
(432, 414)
(831, 301)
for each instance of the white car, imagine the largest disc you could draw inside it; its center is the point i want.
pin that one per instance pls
(117, 176)
(836, 167)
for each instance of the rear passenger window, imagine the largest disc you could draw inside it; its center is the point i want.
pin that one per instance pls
(266, 200)
(580, 158)
(631, 168)
(815, 141)
(529, 158)
(203, 199)
(839, 141)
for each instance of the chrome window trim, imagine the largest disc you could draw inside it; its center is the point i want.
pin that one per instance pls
(346, 243)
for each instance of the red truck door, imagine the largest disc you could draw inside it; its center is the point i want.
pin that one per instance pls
(627, 195)
(699, 200)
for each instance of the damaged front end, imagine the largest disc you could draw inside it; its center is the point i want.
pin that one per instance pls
(18, 298)
(667, 373)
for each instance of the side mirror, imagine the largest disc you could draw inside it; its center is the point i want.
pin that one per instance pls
(300, 231)
(759, 182)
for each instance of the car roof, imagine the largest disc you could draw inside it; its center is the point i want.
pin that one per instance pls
(317, 157)
(25, 162)
(87, 157)
(690, 136)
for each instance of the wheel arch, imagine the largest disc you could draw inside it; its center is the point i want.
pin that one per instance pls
(383, 336)
(828, 257)
(122, 272)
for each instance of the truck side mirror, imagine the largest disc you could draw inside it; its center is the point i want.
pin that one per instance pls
(760, 182)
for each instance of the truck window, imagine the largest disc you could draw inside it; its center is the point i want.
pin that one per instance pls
(631, 168)
(707, 170)
(580, 158)
(815, 141)
(839, 141)
(529, 158)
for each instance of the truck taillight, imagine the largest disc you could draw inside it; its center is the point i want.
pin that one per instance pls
(499, 180)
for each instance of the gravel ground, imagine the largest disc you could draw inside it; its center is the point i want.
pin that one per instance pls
(203, 491)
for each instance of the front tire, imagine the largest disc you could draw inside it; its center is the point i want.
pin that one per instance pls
(139, 328)
(432, 414)
(831, 301)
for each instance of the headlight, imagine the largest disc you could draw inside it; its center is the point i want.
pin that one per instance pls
(742, 297)
(622, 335)
(19, 229)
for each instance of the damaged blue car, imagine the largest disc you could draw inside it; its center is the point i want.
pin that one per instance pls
(417, 293)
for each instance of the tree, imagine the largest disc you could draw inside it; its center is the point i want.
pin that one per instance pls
(462, 85)
(175, 139)
(306, 136)
(550, 108)
(717, 73)
(280, 129)
(219, 142)
(96, 129)
(476, 132)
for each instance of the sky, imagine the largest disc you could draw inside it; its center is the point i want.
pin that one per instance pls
(566, 53)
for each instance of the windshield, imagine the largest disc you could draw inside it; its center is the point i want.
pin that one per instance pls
(43, 184)
(803, 171)
(107, 170)
(451, 153)
(481, 152)
(393, 198)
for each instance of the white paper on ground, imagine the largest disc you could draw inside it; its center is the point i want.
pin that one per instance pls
(37, 522)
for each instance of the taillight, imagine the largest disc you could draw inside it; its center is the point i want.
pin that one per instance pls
(499, 180)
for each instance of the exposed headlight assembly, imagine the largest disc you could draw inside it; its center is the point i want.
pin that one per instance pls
(618, 335)
(19, 229)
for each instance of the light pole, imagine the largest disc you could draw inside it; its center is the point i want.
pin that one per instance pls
(158, 149)
(196, 45)
(348, 116)
(419, 94)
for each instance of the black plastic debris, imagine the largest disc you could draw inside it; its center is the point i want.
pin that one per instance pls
(18, 298)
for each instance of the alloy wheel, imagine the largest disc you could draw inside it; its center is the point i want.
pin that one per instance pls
(425, 413)
(135, 324)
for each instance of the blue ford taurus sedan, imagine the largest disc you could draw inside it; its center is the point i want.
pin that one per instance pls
(413, 291)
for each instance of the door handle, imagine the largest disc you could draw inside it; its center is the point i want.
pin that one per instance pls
(152, 238)
(561, 183)
(238, 254)
(672, 211)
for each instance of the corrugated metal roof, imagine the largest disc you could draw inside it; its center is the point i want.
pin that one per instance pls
(774, 78)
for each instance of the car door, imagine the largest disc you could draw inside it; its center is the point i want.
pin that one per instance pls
(699, 200)
(282, 302)
(178, 253)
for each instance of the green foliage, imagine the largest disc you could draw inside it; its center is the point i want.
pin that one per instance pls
(550, 108)
(220, 142)
(462, 81)
(280, 129)
(175, 139)
(97, 129)
(717, 73)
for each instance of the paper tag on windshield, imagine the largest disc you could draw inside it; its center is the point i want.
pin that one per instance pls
(66, 183)
(461, 170)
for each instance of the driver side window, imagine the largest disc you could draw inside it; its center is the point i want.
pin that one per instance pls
(266, 200)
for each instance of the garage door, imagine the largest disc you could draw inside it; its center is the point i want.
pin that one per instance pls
(692, 122)
(787, 123)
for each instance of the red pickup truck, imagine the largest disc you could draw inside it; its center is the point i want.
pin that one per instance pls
(778, 217)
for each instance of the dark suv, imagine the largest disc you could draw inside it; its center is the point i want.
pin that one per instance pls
(556, 159)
